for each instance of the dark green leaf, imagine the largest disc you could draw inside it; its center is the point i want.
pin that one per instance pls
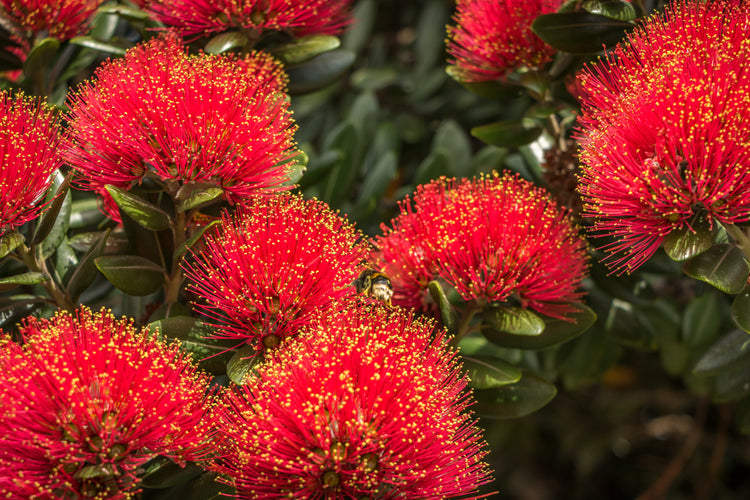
(16, 307)
(85, 214)
(211, 354)
(508, 134)
(66, 260)
(675, 357)
(515, 400)
(702, 320)
(556, 331)
(124, 12)
(161, 472)
(99, 45)
(511, 320)
(193, 194)
(225, 42)
(131, 274)
(432, 167)
(447, 313)
(9, 242)
(377, 180)
(86, 270)
(242, 363)
(691, 239)
(740, 310)
(30, 278)
(429, 45)
(723, 266)
(486, 372)
(580, 32)
(304, 49)
(49, 218)
(492, 89)
(344, 172)
(732, 385)
(41, 58)
(319, 72)
(144, 213)
(615, 9)
(727, 353)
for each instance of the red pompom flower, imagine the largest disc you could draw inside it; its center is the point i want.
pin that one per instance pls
(493, 37)
(160, 112)
(88, 400)
(272, 266)
(61, 19)
(29, 145)
(296, 17)
(367, 404)
(494, 239)
(664, 135)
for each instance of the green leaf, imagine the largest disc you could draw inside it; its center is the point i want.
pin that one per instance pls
(296, 167)
(193, 194)
(556, 331)
(580, 32)
(732, 385)
(727, 353)
(702, 320)
(675, 357)
(144, 213)
(429, 44)
(511, 320)
(319, 72)
(211, 354)
(9, 242)
(30, 278)
(305, 48)
(49, 218)
(722, 266)
(41, 58)
(486, 372)
(124, 12)
(161, 472)
(242, 363)
(99, 45)
(691, 239)
(86, 270)
(66, 260)
(447, 313)
(515, 400)
(615, 9)
(492, 89)
(740, 310)
(194, 238)
(225, 42)
(432, 167)
(131, 274)
(508, 134)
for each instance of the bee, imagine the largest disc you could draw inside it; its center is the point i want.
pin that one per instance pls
(374, 284)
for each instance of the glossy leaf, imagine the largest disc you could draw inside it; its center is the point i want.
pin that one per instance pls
(319, 72)
(740, 310)
(48, 219)
(30, 278)
(507, 134)
(512, 320)
(16, 307)
(41, 57)
(692, 239)
(144, 213)
(193, 239)
(124, 12)
(9, 242)
(241, 363)
(580, 32)
(192, 194)
(86, 270)
(99, 45)
(131, 274)
(556, 331)
(211, 354)
(225, 42)
(447, 313)
(615, 9)
(722, 266)
(727, 353)
(515, 400)
(304, 49)
(702, 320)
(486, 372)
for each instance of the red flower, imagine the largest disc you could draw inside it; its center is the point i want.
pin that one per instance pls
(494, 37)
(88, 400)
(297, 17)
(664, 131)
(367, 404)
(274, 265)
(61, 19)
(493, 239)
(29, 144)
(202, 119)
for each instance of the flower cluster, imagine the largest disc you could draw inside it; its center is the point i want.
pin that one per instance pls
(87, 400)
(664, 133)
(63, 19)
(29, 148)
(368, 403)
(299, 18)
(273, 265)
(158, 111)
(493, 37)
(494, 239)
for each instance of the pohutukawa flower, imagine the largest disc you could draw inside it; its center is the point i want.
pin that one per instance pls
(29, 145)
(62, 19)
(493, 37)
(273, 266)
(296, 17)
(664, 133)
(495, 239)
(367, 404)
(88, 400)
(160, 112)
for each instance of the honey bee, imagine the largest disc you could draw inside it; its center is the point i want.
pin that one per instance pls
(374, 284)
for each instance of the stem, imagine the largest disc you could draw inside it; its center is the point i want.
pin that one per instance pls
(742, 239)
(173, 283)
(464, 326)
(33, 260)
